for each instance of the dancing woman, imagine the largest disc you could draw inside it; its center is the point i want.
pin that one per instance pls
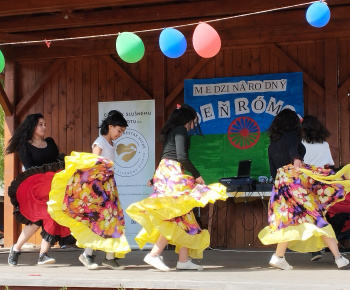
(84, 197)
(166, 215)
(39, 156)
(300, 196)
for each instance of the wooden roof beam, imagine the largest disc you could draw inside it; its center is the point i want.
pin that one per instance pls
(277, 25)
(290, 63)
(124, 15)
(19, 7)
(344, 90)
(191, 74)
(205, 10)
(110, 60)
(5, 103)
(33, 93)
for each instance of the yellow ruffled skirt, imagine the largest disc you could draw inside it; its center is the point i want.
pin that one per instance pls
(168, 210)
(84, 197)
(298, 204)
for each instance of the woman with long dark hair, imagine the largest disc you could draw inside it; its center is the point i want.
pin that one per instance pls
(284, 133)
(166, 215)
(300, 196)
(35, 151)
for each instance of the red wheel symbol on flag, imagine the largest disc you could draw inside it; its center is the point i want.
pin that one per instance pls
(243, 132)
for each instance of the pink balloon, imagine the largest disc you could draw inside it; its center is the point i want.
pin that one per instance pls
(206, 41)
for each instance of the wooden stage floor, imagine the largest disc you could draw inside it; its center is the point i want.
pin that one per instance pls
(223, 269)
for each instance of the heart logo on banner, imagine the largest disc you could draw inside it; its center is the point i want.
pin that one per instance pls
(126, 152)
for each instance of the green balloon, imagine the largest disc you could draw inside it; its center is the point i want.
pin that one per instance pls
(130, 47)
(2, 62)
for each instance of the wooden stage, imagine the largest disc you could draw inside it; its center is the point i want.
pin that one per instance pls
(223, 269)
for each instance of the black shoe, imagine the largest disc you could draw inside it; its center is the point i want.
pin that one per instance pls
(13, 257)
(45, 259)
(88, 261)
(112, 264)
(316, 256)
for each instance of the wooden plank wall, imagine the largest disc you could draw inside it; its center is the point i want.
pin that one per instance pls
(69, 103)
(344, 100)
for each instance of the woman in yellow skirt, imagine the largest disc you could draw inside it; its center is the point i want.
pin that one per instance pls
(84, 197)
(166, 215)
(300, 197)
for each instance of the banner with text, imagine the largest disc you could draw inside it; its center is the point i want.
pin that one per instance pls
(135, 157)
(234, 115)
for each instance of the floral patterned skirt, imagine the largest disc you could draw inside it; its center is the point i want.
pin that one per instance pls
(168, 210)
(298, 204)
(84, 197)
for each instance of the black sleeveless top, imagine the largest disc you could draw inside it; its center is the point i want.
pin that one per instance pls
(31, 156)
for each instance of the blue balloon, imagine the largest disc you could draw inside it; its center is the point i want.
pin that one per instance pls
(172, 43)
(318, 14)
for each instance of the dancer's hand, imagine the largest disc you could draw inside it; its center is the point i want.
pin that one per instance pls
(297, 164)
(199, 180)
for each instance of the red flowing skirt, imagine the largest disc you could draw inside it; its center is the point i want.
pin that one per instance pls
(29, 193)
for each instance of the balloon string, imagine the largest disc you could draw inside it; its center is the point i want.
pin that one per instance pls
(243, 15)
(157, 29)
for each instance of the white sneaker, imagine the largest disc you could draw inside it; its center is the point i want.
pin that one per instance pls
(156, 262)
(188, 266)
(341, 262)
(280, 263)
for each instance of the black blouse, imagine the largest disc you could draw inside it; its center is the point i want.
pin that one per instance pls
(284, 150)
(176, 146)
(31, 156)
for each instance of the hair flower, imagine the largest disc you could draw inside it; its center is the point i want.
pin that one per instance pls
(178, 106)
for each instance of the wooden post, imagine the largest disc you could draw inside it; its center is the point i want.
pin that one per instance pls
(159, 96)
(10, 169)
(331, 98)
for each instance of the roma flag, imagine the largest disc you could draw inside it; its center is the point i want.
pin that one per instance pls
(234, 115)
